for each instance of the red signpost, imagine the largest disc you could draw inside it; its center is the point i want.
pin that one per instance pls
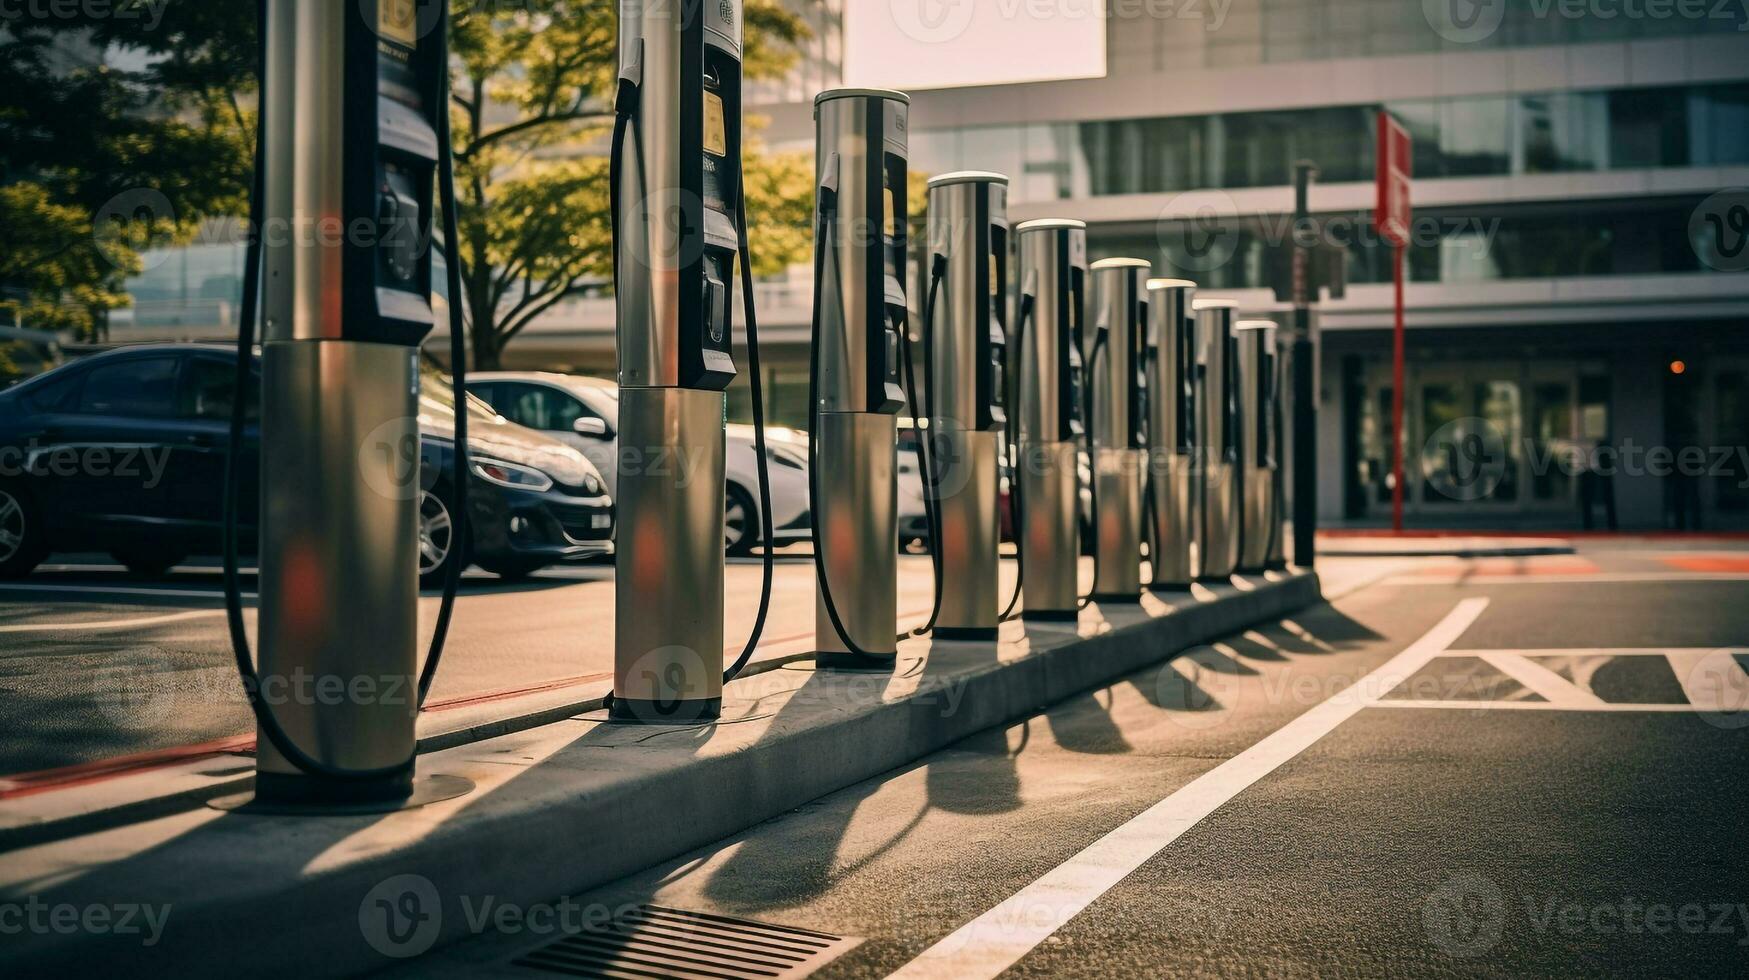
(1391, 216)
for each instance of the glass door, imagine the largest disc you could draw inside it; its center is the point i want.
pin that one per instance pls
(1466, 430)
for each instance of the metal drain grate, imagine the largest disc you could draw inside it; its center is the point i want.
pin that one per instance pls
(655, 943)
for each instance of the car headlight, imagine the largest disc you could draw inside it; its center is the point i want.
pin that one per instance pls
(784, 456)
(512, 475)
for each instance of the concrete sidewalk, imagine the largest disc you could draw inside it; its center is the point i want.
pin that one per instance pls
(576, 803)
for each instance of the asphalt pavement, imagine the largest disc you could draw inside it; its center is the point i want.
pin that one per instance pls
(96, 663)
(1498, 767)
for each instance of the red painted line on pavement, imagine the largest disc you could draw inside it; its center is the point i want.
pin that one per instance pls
(1532, 565)
(1706, 563)
(86, 773)
(1385, 532)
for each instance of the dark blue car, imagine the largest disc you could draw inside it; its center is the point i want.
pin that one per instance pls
(124, 453)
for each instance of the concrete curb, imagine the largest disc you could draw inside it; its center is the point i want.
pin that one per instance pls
(573, 805)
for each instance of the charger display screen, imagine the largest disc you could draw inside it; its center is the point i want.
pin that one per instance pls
(398, 21)
(716, 141)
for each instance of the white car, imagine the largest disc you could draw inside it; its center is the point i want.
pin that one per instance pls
(584, 412)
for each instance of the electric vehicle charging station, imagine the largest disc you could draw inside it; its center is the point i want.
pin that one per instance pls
(354, 131)
(1053, 269)
(1217, 439)
(1117, 426)
(1258, 451)
(1174, 491)
(854, 374)
(965, 342)
(676, 201)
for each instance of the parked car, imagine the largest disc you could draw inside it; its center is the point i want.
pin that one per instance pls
(584, 412)
(124, 452)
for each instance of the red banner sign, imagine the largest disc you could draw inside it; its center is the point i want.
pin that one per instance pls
(1391, 214)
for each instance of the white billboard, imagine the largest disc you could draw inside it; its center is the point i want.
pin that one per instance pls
(917, 44)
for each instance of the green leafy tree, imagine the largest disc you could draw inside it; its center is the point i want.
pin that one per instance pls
(81, 139)
(530, 84)
(532, 90)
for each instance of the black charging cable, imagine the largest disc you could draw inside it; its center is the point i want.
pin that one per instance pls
(1087, 406)
(926, 458)
(1012, 432)
(276, 734)
(755, 383)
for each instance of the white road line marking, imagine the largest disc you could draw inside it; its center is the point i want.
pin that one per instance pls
(1543, 682)
(1712, 680)
(109, 624)
(1538, 706)
(1596, 578)
(1593, 651)
(996, 940)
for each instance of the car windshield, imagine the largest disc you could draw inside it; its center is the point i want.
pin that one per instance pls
(436, 399)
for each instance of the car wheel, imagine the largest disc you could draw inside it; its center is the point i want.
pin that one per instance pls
(740, 520)
(439, 548)
(23, 541)
(145, 562)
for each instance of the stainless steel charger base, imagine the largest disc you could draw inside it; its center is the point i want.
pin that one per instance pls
(668, 593)
(1049, 510)
(858, 522)
(339, 560)
(965, 479)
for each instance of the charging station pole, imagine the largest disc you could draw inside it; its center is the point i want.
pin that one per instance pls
(965, 341)
(1053, 269)
(859, 309)
(1254, 346)
(1275, 369)
(349, 197)
(1174, 489)
(1118, 426)
(676, 175)
(1217, 440)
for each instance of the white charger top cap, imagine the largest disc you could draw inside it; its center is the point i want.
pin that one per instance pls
(968, 177)
(1120, 264)
(1171, 284)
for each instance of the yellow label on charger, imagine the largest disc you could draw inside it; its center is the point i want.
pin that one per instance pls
(888, 213)
(716, 140)
(995, 283)
(398, 20)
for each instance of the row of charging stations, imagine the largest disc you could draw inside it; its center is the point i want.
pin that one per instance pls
(1174, 405)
